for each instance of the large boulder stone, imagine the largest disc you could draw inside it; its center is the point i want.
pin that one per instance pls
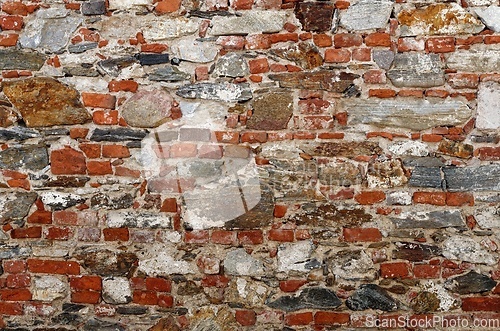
(488, 106)
(271, 111)
(147, 109)
(416, 70)
(15, 206)
(366, 15)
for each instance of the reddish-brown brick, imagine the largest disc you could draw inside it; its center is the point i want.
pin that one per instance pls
(322, 40)
(361, 234)
(292, 285)
(331, 318)
(97, 100)
(382, 93)
(369, 197)
(116, 234)
(251, 237)
(15, 8)
(14, 266)
(165, 300)
(281, 235)
(196, 237)
(122, 85)
(67, 161)
(20, 294)
(395, 270)
(223, 237)
(18, 281)
(431, 198)
(145, 297)
(337, 55)
(11, 308)
(426, 271)
(378, 39)
(90, 297)
(58, 233)
(246, 317)
(489, 153)
(461, 80)
(54, 267)
(481, 304)
(99, 168)
(440, 44)
(215, 281)
(11, 22)
(459, 199)
(8, 40)
(40, 217)
(258, 66)
(23, 233)
(167, 6)
(347, 40)
(86, 283)
(304, 318)
(158, 284)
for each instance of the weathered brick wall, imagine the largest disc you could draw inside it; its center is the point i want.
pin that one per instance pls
(249, 164)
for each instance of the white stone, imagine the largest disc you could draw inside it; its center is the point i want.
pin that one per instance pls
(446, 301)
(488, 217)
(490, 17)
(467, 249)
(169, 28)
(127, 4)
(269, 21)
(60, 199)
(196, 51)
(239, 262)
(294, 256)
(488, 106)
(49, 288)
(116, 290)
(164, 264)
(90, 84)
(477, 3)
(118, 219)
(399, 198)
(475, 60)
(367, 14)
(409, 148)
(353, 266)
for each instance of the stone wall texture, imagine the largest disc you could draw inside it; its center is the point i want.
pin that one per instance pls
(217, 165)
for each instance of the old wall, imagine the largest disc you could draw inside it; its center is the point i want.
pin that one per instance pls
(249, 165)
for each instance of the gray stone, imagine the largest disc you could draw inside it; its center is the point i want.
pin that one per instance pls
(429, 220)
(309, 298)
(482, 178)
(116, 290)
(488, 217)
(271, 111)
(367, 14)
(216, 91)
(352, 265)
(327, 80)
(14, 59)
(117, 135)
(9, 251)
(342, 149)
(146, 59)
(147, 109)
(30, 157)
(488, 106)
(490, 17)
(415, 252)
(50, 30)
(475, 60)
(194, 50)
(168, 74)
(231, 65)
(416, 114)
(113, 67)
(398, 198)
(471, 282)
(340, 174)
(426, 177)
(131, 310)
(409, 147)
(60, 200)
(104, 262)
(84, 69)
(169, 28)
(416, 70)
(371, 296)
(82, 47)
(426, 162)
(295, 256)
(163, 263)
(128, 4)
(303, 54)
(485, 138)
(49, 288)
(93, 7)
(100, 325)
(239, 262)
(383, 58)
(477, 3)
(121, 201)
(468, 250)
(128, 219)
(250, 22)
(15, 206)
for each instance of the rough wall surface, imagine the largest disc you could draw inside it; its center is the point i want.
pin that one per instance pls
(249, 164)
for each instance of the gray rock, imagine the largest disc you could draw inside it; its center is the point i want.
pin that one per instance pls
(104, 262)
(131, 310)
(426, 161)
(471, 282)
(49, 288)
(239, 262)
(426, 177)
(85, 69)
(309, 298)
(475, 60)
(15, 205)
(415, 252)
(142, 219)
(169, 28)
(295, 256)
(194, 50)
(429, 220)
(81, 48)
(383, 58)
(367, 14)
(93, 7)
(490, 17)
(113, 67)
(146, 59)
(14, 59)
(61, 200)
(50, 30)
(340, 174)
(164, 264)
(304, 54)
(352, 265)
(147, 109)
(268, 21)
(271, 111)
(482, 178)
(19, 133)
(102, 200)
(30, 157)
(416, 114)
(168, 74)
(468, 250)
(371, 296)
(100, 325)
(488, 217)
(398, 198)
(117, 135)
(488, 106)
(416, 70)
(216, 91)
(10, 251)
(231, 65)
(116, 290)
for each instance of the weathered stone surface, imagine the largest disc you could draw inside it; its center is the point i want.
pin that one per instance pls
(415, 252)
(49, 288)
(488, 106)
(268, 21)
(50, 30)
(475, 60)
(426, 177)
(340, 174)
(330, 216)
(114, 66)
(477, 3)
(352, 265)
(216, 91)
(60, 200)
(303, 54)
(488, 217)
(127, 4)
(168, 74)
(108, 201)
(147, 109)
(194, 50)
(383, 58)
(342, 149)
(30, 157)
(416, 114)
(116, 290)
(104, 262)
(46, 102)
(67, 181)
(319, 80)
(7, 116)
(309, 298)
(147, 59)
(14, 59)
(367, 14)
(426, 302)
(101, 325)
(429, 220)
(490, 17)
(82, 47)
(371, 296)
(398, 198)
(15, 206)
(482, 178)
(93, 7)
(84, 69)
(295, 256)
(239, 262)
(385, 173)
(447, 19)
(163, 264)
(117, 135)
(416, 70)
(315, 16)
(206, 319)
(160, 29)
(456, 148)
(471, 282)
(413, 148)
(271, 111)
(128, 219)
(165, 324)
(467, 249)
(231, 65)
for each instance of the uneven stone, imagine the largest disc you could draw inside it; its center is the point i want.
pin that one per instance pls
(342, 149)
(49, 288)
(315, 16)
(385, 174)
(429, 220)
(416, 70)
(340, 174)
(231, 65)
(147, 109)
(352, 265)
(117, 135)
(106, 201)
(7, 116)
(366, 15)
(426, 302)
(67, 181)
(164, 264)
(45, 101)
(488, 106)
(398, 198)
(193, 50)
(412, 148)
(268, 21)
(295, 256)
(15, 205)
(128, 219)
(371, 296)
(415, 114)
(146, 59)
(426, 177)
(161, 29)
(309, 298)
(467, 249)
(14, 59)
(216, 91)
(330, 216)
(168, 74)
(415, 252)
(101, 325)
(116, 290)
(490, 17)
(82, 47)
(435, 19)
(475, 60)
(18, 133)
(482, 178)
(383, 58)
(239, 262)
(303, 54)
(84, 69)
(104, 262)
(319, 80)
(93, 7)
(471, 282)
(271, 111)
(30, 157)
(456, 148)
(114, 66)
(9, 251)
(127, 4)
(488, 217)
(60, 200)
(165, 324)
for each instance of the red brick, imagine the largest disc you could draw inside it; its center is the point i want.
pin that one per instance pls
(488, 40)
(8, 40)
(426, 271)
(410, 44)
(126, 172)
(54, 267)
(105, 117)
(11, 22)
(361, 234)
(169, 205)
(331, 318)
(431, 138)
(381, 93)
(67, 161)
(395, 270)
(258, 66)
(362, 54)
(258, 41)
(322, 40)
(24, 233)
(15, 294)
(280, 211)
(92, 151)
(167, 6)
(461, 80)
(213, 152)
(122, 85)
(292, 285)
(253, 137)
(15, 8)
(231, 42)
(347, 40)
(215, 281)
(337, 55)
(98, 100)
(180, 150)
(116, 234)
(241, 4)
(459, 199)
(158, 284)
(21, 183)
(40, 217)
(86, 283)
(440, 44)
(10, 308)
(99, 168)
(18, 281)
(369, 197)
(196, 237)
(223, 237)
(145, 297)
(489, 153)
(57, 233)
(251, 237)
(283, 37)
(115, 151)
(154, 48)
(481, 304)
(299, 318)
(246, 317)
(437, 93)
(411, 93)
(378, 39)
(374, 77)
(281, 235)
(90, 297)
(14, 267)
(430, 198)
(165, 300)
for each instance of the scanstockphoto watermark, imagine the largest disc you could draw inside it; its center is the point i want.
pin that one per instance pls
(432, 322)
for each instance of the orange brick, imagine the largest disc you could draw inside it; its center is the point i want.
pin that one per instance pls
(431, 138)
(67, 161)
(11, 22)
(395, 270)
(90, 297)
(15, 8)
(8, 40)
(105, 117)
(305, 318)
(99, 168)
(382, 93)
(86, 283)
(440, 44)
(92, 151)
(362, 234)
(154, 48)
(431, 198)
(347, 40)
(258, 66)
(322, 40)
(337, 55)
(362, 54)
(167, 6)
(369, 197)
(292, 285)
(281, 235)
(378, 39)
(115, 151)
(122, 85)
(459, 199)
(98, 100)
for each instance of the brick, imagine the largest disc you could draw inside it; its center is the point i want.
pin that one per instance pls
(214, 152)
(78, 133)
(246, 317)
(362, 54)
(361, 234)
(11, 22)
(281, 235)
(167, 6)
(410, 44)
(145, 297)
(461, 80)
(251, 237)
(283, 37)
(489, 153)
(11, 308)
(331, 318)
(122, 85)
(158, 284)
(67, 161)
(347, 40)
(431, 138)
(481, 304)
(165, 300)
(378, 39)
(395, 270)
(322, 40)
(258, 41)
(98, 100)
(91, 151)
(382, 93)
(14, 267)
(430, 198)
(154, 48)
(488, 40)
(219, 281)
(181, 150)
(440, 44)
(337, 55)
(40, 217)
(25, 233)
(459, 199)
(15, 294)
(90, 297)
(369, 197)
(292, 285)
(54, 267)
(253, 137)
(105, 117)
(223, 237)
(115, 151)
(258, 66)
(99, 168)
(15, 8)
(374, 77)
(280, 211)
(116, 234)
(8, 40)
(169, 205)
(305, 318)
(231, 43)
(196, 237)
(18, 281)
(86, 283)
(425, 271)
(58, 233)
(241, 4)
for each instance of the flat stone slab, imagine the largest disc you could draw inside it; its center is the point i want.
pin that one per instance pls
(31, 157)
(239, 262)
(309, 298)
(475, 60)
(14, 59)
(319, 80)
(147, 109)
(216, 91)
(488, 217)
(169, 28)
(466, 249)
(490, 17)
(488, 106)
(415, 114)
(482, 178)
(366, 15)
(416, 70)
(168, 74)
(193, 50)
(371, 296)
(15, 207)
(426, 177)
(118, 134)
(271, 111)
(268, 21)
(429, 220)
(127, 219)
(231, 65)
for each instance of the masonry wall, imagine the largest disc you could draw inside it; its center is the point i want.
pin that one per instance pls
(249, 165)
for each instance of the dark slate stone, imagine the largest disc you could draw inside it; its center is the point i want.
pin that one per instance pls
(482, 178)
(104, 262)
(8, 252)
(18, 133)
(371, 296)
(113, 67)
(99, 325)
(315, 16)
(72, 307)
(485, 138)
(131, 310)
(55, 132)
(309, 298)
(67, 319)
(13, 59)
(31, 157)
(93, 7)
(425, 177)
(430, 220)
(102, 200)
(81, 48)
(85, 69)
(151, 59)
(469, 283)
(15, 205)
(118, 134)
(415, 252)
(209, 14)
(168, 74)
(426, 161)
